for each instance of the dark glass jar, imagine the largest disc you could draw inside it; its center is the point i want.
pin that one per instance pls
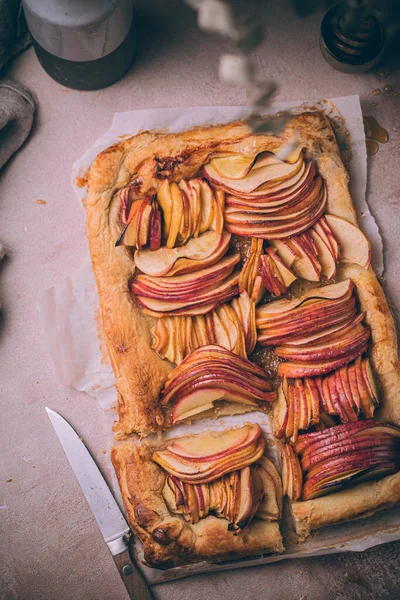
(83, 44)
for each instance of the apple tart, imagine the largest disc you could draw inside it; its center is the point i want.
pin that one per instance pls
(233, 277)
(211, 496)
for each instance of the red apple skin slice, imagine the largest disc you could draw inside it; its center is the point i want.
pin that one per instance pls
(324, 255)
(352, 378)
(314, 397)
(370, 381)
(297, 412)
(334, 396)
(143, 206)
(348, 407)
(155, 229)
(354, 246)
(342, 431)
(366, 400)
(291, 409)
(333, 451)
(280, 412)
(298, 369)
(296, 475)
(343, 372)
(199, 253)
(323, 352)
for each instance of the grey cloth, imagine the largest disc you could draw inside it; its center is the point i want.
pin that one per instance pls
(14, 36)
(17, 109)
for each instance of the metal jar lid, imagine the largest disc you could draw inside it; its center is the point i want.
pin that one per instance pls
(79, 30)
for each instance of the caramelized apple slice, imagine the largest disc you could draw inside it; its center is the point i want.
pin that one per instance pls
(207, 206)
(354, 246)
(369, 379)
(280, 411)
(235, 166)
(272, 172)
(264, 465)
(324, 254)
(177, 212)
(367, 404)
(166, 202)
(292, 477)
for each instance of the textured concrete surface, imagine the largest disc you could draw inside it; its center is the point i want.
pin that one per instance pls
(50, 545)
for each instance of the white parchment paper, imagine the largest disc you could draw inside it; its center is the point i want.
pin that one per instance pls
(71, 317)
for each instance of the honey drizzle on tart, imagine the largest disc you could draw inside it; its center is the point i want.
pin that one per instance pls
(204, 287)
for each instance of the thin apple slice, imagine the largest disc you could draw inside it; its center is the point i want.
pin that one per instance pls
(324, 255)
(266, 465)
(128, 236)
(352, 378)
(258, 291)
(195, 205)
(370, 381)
(242, 500)
(292, 473)
(184, 266)
(305, 406)
(187, 225)
(165, 200)
(268, 509)
(313, 399)
(297, 401)
(323, 335)
(235, 166)
(291, 407)
(333, 291)
(177, 212)
(207, 206)
(158, 263)
(288, 277)
(367, 404)
(280, 411)
(254, 179)
(284, 250)
(354, 246)
(331, 348)
(306, 265)
(221, 334)
(218, 220)
(325, 232)
(347, 403)
(311, 369)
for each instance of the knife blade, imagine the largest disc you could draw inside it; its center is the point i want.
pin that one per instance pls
(106, 511)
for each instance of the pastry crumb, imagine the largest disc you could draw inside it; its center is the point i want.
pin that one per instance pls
(41, 202)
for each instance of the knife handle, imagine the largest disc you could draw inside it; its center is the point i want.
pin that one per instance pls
(136, 585)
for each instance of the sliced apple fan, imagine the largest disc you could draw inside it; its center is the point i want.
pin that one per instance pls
(316, 333)
(213, 373)
(235, 495)
(348, 394)
(179, 212)
(232, 326)
(343, 455)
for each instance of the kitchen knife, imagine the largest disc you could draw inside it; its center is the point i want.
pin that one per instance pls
(106, 511)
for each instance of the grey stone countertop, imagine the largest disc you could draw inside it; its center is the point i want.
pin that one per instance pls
(51, 548)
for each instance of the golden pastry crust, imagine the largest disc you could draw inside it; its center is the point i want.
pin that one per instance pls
(359, 502)
(168, 540)
(145, 160)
